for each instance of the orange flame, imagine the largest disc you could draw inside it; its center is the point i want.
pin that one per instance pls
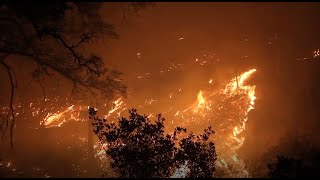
(117, 105)
(201, 104)
(223, 100)
(237, 82)
(201, 101)
(197, 111)
(51, 119)
(250, 90)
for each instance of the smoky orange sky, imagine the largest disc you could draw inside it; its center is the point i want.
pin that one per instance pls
(274, 38)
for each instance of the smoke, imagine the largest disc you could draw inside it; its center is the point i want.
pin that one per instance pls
(175, 49)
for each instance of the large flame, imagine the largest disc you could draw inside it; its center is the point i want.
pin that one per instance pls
(226, 109)
(250, 90)
(238, 82)
(201, 100)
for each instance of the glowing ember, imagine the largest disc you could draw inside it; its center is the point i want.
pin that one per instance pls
(138, 55)
(150, 115)
(316, 53)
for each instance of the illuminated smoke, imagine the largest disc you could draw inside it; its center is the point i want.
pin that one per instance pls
(225, 109)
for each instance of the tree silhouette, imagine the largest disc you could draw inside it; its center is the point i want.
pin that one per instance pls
(285, 167)
(295, 156)
(138, 148)
(54, 36)
(292, 167)
(199, 155)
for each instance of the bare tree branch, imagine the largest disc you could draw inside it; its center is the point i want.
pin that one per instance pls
(43, 89)
(71, 48)
(124, 11)
(11, 110)
(46, 35)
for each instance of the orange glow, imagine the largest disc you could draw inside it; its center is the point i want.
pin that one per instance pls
(226, 109)
(201, 101)
(237, 82)
(55, 119)
(117, 105)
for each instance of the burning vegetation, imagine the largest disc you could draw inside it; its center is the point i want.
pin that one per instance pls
(208, 98)
(204, 111)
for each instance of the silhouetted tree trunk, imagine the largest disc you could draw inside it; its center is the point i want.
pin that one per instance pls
(90, 158)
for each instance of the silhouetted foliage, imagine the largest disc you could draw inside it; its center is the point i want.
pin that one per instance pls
(285, 167)
(200, 156)
(54, 36)
(296, 156)
(289, 167)
(139, 148)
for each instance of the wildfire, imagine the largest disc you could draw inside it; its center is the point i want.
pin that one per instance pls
(226, 109)
(202, 104)
(117, 105)
(201, 101)
(237, 82)
(56, 119)
(237, 87)
(75, 113)
(250, 90)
